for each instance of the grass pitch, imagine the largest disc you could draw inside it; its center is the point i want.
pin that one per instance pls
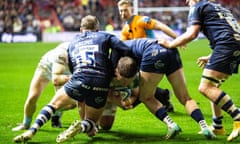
(137, 126)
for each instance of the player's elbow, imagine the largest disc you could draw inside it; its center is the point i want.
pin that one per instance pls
(55, 81)
(193, 36)
(192, 33)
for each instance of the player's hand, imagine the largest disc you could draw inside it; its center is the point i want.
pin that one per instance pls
(127, 104)
(183, 47)
(202, 61)
(123, 92)
(121, 97)
(164, 42)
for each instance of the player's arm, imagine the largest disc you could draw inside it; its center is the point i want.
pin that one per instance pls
(123, 97)
(163, 27)
(59, 77)
(189, 35)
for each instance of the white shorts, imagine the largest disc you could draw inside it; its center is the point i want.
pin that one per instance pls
(44, 68)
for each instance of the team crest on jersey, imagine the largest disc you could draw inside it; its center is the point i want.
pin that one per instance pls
(146, 19)
(154, 52)
(236, 53)
(98, 100)
(159, 64)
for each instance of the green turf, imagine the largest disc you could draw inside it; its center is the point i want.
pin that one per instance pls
(18, 62)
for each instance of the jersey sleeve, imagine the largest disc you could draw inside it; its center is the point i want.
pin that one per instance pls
(146, 22)
(194, 16)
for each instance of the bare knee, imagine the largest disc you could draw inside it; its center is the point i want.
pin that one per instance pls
(106, 122)
(202, 89)
(32, 99)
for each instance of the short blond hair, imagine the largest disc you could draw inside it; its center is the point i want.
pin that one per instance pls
(195, 0)
(122, 2)
(90, 22)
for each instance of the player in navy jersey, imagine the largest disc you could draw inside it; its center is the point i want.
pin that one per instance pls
(91, 70)
(223, 32)
(137, 26)
(155, 61)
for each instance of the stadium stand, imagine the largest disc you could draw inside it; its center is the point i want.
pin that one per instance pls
(25, 16)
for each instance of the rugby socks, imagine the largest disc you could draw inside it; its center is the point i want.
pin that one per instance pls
(58, 113)
(198, 117)
(27, 121)
(87, 125)
(226, 104)
(163, 116)
(217, 122)
(43, 117)
(162, 95)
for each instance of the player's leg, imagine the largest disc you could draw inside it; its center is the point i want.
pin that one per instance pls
(60, 100)
(59, 78)
(108, 116)
(38, 84)
(209, 88)
(56, 118)
(81, 109)
(178, 83)
(87, 125)
(164, 95)
(147, 87)
(217, 117)
(92, 113)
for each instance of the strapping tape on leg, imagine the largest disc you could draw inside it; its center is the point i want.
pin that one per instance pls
(214, 81)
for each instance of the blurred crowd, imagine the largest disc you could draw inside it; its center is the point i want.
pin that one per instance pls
(18, 16)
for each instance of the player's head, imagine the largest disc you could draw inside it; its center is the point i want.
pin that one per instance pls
(126, 70)
(89, 23)
(192, 2)
(125, 8)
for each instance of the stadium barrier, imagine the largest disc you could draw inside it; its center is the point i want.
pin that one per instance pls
(19, 37)
(61, 36)
(68, 36)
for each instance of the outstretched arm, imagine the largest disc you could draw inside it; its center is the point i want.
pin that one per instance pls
(189, 35)
(163, 27)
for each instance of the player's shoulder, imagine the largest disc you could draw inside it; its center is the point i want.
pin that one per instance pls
(105, 33)
(63, 45)
(145, 19)
(202, 4)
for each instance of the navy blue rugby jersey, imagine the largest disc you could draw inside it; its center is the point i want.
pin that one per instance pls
(139, 47)
(89, 53)
(217, 23)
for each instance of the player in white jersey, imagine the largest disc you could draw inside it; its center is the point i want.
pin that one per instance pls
(53, 66)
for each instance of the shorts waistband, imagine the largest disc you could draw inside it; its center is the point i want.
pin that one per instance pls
(94, 88)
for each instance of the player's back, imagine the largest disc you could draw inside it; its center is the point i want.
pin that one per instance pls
(139, 46)
(217, 23)
(89, 53)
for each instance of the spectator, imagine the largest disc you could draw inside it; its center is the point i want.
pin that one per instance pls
(17, 25)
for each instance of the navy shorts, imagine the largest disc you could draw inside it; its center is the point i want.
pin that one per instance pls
(160, 60)
(225, 59)
(92, 91)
